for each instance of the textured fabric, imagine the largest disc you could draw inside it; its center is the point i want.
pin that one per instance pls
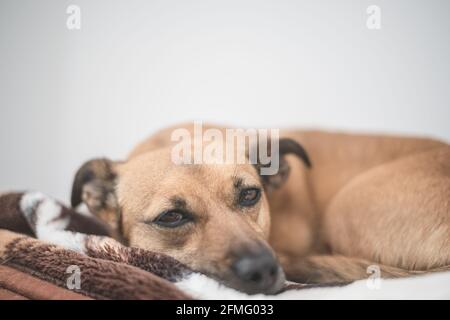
(107, 269)
(18, 285)
(99, 279)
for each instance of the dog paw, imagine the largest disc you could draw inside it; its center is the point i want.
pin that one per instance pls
(98, 195)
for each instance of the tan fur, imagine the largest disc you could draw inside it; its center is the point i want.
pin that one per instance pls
(382, 199)
(149, 181)
(367, 200)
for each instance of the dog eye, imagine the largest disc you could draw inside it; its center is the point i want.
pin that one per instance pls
(171, 219)
(249, 197)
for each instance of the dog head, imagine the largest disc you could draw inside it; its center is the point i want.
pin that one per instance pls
(214, 218)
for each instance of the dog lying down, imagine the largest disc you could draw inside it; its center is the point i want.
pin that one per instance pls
(40, 216)
(325, 208)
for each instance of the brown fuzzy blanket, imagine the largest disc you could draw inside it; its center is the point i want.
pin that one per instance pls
(48, 251)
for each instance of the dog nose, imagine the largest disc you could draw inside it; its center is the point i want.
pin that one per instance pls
(258, 272)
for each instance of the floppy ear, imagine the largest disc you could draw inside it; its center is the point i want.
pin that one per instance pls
(286, 146)
(94, 185)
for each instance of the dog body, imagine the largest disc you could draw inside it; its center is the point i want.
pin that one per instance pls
(367, 200)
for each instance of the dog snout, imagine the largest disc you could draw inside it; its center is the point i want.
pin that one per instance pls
(258, 272)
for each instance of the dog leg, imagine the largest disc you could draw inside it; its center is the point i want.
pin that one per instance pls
(94, 185)
(338, 269)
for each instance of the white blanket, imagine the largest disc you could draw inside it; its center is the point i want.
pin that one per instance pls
(430, 286)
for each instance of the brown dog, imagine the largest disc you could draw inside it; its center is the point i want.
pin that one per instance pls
(367, 200)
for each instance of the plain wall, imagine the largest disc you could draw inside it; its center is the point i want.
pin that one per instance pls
(136, 66)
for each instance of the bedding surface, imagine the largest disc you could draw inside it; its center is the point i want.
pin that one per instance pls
(48, 251)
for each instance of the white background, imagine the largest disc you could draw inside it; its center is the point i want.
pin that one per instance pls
(136, 66)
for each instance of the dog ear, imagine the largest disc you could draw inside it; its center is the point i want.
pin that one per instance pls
(286, 146)
(94, 185)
